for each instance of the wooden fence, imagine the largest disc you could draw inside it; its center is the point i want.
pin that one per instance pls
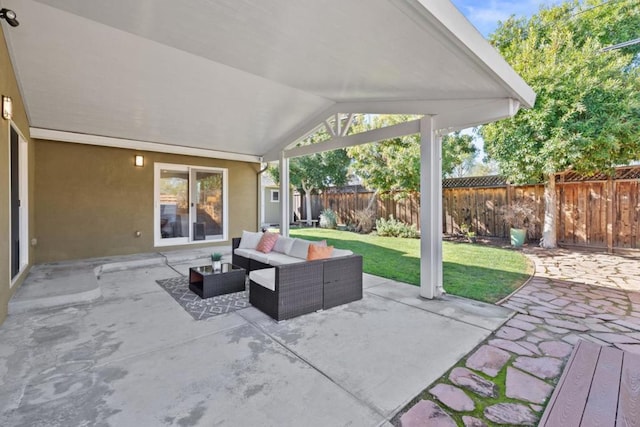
(601, 212)
(347, 200)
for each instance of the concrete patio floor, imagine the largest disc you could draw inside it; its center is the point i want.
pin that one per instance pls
(128, 354)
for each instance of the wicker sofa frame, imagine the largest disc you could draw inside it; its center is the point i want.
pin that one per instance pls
(305, 286)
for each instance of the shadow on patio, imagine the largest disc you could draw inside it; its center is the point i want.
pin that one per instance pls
(133, 356)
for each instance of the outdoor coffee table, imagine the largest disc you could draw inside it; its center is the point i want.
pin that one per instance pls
(207, 283)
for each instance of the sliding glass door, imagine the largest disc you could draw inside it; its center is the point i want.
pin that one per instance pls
(190, 204)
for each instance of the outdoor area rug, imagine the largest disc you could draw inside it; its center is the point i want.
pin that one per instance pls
(178, 288)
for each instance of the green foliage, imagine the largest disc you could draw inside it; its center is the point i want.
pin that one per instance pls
(394, 228)
(216, 256)
(316, 171)
(587, 112)
(394, 165)
(328, 219)
(458, 155)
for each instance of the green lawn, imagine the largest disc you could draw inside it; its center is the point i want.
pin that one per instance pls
(474, 271)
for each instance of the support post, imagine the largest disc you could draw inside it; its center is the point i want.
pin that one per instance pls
(430, 210)
(285, 208)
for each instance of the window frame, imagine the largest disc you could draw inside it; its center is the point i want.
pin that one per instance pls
(158, 241)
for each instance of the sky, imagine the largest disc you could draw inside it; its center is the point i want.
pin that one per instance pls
(485, 14)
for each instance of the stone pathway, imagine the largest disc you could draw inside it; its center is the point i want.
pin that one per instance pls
(508, 379)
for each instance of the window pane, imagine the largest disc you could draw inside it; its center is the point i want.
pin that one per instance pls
(208, 200)
(174, 204)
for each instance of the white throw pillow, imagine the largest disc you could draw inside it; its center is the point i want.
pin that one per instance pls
(299, 249)
(283, 245)
(250, 240)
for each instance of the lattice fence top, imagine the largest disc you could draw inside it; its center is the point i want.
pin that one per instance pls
(622, 173)
(496, 181)
(475, 182)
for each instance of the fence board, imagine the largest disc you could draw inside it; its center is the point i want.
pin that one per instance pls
(582, 217)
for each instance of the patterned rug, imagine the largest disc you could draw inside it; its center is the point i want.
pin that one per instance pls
(178, 288)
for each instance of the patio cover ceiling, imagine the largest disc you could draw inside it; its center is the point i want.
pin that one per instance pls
(246, 78)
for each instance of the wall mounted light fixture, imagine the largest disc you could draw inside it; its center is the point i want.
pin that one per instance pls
(139, 160)
(9, 16)
(7, 107)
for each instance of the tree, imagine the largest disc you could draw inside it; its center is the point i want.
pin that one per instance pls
(394, 165)
(315, 172)
(587, 112)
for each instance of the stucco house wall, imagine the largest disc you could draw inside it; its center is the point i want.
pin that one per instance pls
(91, 200)
(9, 87)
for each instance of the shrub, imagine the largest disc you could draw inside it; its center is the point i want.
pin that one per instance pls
(328, 219)
(521, 214)
(394, 228)
(364, 220)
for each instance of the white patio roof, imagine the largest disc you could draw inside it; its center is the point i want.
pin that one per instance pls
(248, 77)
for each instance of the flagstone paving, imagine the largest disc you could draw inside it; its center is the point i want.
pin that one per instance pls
(508, 379)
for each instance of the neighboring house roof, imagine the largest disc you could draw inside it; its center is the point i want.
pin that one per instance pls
(246, 78)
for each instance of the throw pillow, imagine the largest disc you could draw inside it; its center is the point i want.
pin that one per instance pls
(267, 242)
(319, 252)
(249, 240)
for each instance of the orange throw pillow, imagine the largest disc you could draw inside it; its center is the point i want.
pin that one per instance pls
(267, 242)
(319, 252)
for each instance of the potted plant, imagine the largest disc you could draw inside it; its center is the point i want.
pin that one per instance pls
(522, 219)
(216, 263)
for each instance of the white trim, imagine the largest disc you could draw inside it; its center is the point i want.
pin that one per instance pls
(132, 144)
(272, 200)
(23, 195)
(261, 200)
(285, 208)
(450, 114)
(430, 210)
(158, 241)
(374, 135)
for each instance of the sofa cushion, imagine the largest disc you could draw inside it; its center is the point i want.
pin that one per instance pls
(265, 278)
(267, 242)
(300, 248)
(261, 256)
(276, 259)
(283, 245)
(253, 254)
(340, 252)
(249, 240)
(243, 252)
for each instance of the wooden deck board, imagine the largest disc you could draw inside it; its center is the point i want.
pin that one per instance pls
(602, 402)
(570, 396)
(629, 401)
(600, 386)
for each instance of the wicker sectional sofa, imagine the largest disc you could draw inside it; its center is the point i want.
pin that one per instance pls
(284, 285)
